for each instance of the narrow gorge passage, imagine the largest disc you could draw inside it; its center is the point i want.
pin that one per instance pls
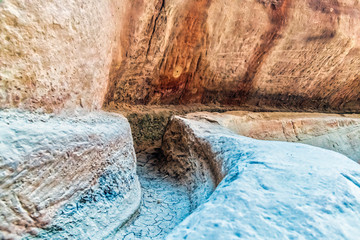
(165, 202)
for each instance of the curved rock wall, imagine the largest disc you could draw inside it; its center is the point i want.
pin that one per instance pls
(75, 177)
(187, 160)
(289, 54)
(269, 189)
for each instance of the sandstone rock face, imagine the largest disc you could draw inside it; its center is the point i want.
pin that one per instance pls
(340, 133)
(267, 189)
(187, 160)
(73, 177)
(56, 54)
(290, 54)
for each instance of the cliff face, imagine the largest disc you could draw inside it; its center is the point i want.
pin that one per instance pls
(289, 54)
(279, 54)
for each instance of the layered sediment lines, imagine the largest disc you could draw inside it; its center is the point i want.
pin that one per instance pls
(287, 54)
(337, 132)
(340, 133)
(60, 177)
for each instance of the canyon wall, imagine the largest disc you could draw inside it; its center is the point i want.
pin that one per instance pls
(264, 189)
(283, 54)
(289, 54)
(55, 54)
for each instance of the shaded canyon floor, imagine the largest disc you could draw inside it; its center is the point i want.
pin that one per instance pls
(165, 201)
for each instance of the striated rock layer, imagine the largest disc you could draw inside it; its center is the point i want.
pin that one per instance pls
(290, 54)
(340, 133)
(73, 177)
(264, 189)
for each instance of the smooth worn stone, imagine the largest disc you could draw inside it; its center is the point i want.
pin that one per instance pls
(340, 133)
(65, 177)
(264, 189)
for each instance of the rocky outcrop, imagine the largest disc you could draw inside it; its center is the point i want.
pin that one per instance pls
(187, 160)
(340, 133)
(288, 54)
(72, 177)
(265, 189)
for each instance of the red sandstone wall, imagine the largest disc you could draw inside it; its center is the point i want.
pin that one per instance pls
(290, 54)
(282, 54)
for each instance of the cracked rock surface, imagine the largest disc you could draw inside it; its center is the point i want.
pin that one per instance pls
(165, 202)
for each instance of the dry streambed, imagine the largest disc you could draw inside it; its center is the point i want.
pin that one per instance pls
(165, 201)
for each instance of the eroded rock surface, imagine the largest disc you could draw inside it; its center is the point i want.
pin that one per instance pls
(290, 54)
(56, 54)
(267, 189)
(74, 177)
(340, 133)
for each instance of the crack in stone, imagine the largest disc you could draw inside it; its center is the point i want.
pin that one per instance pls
(154, 27)
(165, 202)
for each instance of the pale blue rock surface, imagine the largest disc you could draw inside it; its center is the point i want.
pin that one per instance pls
(268, 190)
(65, 177)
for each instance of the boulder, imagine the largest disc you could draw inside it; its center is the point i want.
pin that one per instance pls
(264, 189)
(66, 177)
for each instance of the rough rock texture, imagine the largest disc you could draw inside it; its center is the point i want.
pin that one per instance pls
(340, 133)
(165, 202)
(75, 177)
(187, 160)
(290, 54)
(56, 54)
(268, 189)
(148, 122)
